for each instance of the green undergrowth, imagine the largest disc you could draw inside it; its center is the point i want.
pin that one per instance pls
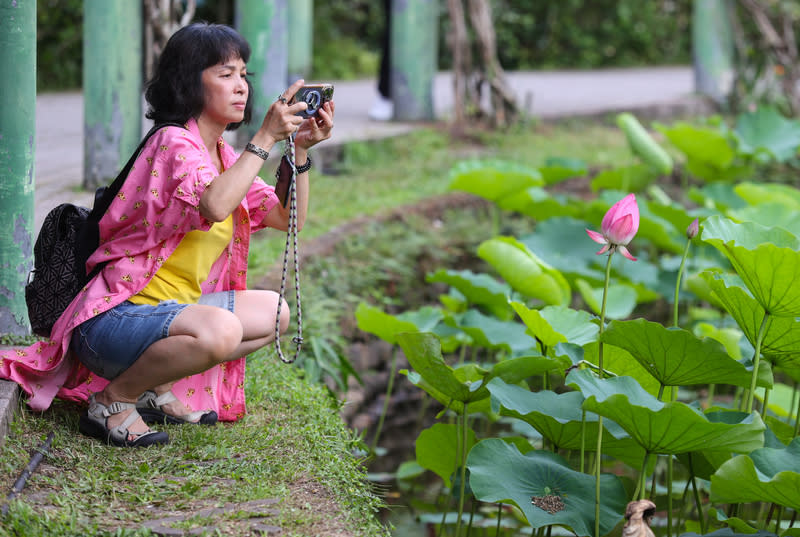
(375, 176)
(292, 446)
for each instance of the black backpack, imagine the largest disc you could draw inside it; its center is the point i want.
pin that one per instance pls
(69, 236)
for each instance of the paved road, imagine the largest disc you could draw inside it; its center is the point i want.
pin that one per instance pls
(543, 94)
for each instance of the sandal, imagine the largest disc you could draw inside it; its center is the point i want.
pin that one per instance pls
(149, 406)
(95, 424)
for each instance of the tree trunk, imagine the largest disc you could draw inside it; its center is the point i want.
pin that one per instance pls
(778, 34)
(162, 19)
(469, 83)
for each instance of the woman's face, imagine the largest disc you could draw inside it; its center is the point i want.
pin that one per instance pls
(225, 92)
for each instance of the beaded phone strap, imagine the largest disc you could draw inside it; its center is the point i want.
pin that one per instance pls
(291, 235)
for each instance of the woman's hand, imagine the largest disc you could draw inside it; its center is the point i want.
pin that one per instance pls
(281, 120)
(316, 128)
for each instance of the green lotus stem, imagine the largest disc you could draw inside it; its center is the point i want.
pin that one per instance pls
(597, 465)
(499, 518)
(765, 404)
(642, 484)
(471, 517)
(678, 282)
(463, 459)
(792, 405)
(756, 358)
(583, 440)
(710, 398)
(669, 494)
(697, 496)
(603, 315)
(797, 419)
(389, 388)
(778, 520)
(599, 454)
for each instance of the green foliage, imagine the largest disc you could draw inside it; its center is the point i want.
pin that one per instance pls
(626, 372)
(592, 33)
(59, 44)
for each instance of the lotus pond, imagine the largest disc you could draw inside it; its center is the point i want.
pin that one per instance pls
(567, 394)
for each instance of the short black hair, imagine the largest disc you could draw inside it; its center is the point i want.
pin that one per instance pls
(175, 93)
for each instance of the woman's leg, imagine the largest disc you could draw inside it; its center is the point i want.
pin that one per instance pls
(199, 338)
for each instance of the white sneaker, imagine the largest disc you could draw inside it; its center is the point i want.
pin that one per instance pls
(382, 109)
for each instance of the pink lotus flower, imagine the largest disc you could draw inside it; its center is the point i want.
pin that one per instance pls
(620, 225)
(693, 229)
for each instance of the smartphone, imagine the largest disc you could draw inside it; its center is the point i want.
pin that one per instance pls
(314, 95)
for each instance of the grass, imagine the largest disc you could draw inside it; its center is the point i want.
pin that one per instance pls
(376, 176)
(292, 446)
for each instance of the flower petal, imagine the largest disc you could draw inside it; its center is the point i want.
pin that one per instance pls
(604, 249)
(621, 231)
(626, 205)
(597, 237)
(624, 251)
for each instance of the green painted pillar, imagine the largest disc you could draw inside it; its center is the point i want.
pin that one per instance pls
(413, 57)
(112, 87)
(265, 24)
(17, 147)
(713, 49)
(301, 40)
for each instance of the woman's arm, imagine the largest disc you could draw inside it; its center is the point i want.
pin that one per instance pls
(228, 189)
(313, 130)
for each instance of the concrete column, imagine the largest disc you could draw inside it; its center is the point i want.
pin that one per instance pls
(413, 58)
(265, 25)
(112, 87)
(17, 147)
(301, 40)
(713, 49)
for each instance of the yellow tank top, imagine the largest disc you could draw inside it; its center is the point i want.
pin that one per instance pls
(180, 276)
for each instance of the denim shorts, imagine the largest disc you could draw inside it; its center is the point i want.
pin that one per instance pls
(111, 342)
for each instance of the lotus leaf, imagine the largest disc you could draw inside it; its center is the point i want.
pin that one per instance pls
(375, 321)
(620, 299)
(524, 271)
(478, 289)
(437, 449)
(537, 203)
(559, 419)
(781, 341)
(769, 194)
(767, 131)
(664, 428)
(633, 178)
(466, 384)
(492, 333)
(765, 475)
(557, 169)
(767, 260)
(556, 324)
(500, 473)
(493, 179)
(676, 357)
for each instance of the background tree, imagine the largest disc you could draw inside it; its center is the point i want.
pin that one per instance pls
(766, 41)
(162, 18)
(472, 78)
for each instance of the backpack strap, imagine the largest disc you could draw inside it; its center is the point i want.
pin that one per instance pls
(105, 195)
(89, 234)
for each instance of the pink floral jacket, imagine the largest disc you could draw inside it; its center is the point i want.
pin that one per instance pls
(156, 207)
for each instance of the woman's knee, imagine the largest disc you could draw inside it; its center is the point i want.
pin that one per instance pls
(221, 335)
